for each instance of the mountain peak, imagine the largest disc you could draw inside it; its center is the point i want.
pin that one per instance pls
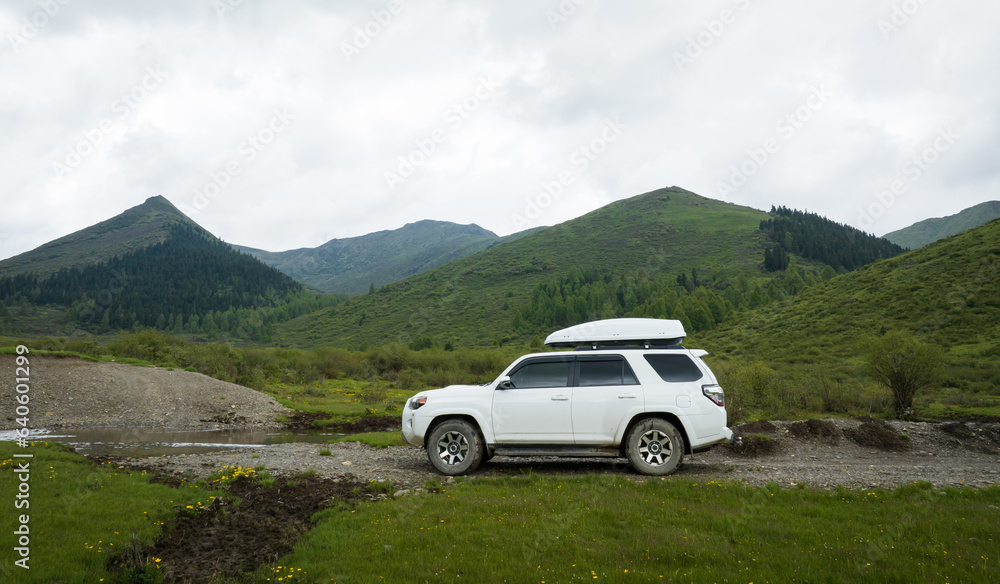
(136, 228)
(351, 265)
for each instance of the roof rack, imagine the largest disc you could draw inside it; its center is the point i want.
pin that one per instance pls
(620, 332)
(629, 346)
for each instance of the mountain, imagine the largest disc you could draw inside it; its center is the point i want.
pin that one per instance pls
(139, 227)
(352, 265)
(473, 300)
(151, 266)
(946, 293)
(929, 230)
(669, 253)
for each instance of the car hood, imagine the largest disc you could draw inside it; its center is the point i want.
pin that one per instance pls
(454, 390)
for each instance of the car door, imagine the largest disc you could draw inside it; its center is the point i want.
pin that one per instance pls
(606, 394)
(537, 407)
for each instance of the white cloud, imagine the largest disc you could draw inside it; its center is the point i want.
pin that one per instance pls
(746, 64)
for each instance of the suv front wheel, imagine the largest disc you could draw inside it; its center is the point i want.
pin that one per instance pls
(455, 447)
(654, 447)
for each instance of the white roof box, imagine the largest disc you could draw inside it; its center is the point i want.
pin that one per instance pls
(616, 332)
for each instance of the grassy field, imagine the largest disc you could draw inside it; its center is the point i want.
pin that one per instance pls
(543, 529)
(80, 514)
(533, 528)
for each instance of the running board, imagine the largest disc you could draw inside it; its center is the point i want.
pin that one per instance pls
(569, 451)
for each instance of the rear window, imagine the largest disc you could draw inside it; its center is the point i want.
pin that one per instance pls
(674, 367)
(605, 372)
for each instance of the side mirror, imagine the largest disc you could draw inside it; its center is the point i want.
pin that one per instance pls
(505, 383)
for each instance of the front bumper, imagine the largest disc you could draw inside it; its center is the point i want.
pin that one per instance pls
(410, 432)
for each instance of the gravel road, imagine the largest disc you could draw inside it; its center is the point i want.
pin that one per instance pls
(933, 453)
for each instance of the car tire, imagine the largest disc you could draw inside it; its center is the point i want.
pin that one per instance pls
(654, 447)
(455, 448)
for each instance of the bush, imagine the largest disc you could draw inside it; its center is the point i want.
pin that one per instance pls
(375, 392)
(904, 364)
(409, 379)
(750, 391)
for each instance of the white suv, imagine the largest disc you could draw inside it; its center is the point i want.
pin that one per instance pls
(628, 390)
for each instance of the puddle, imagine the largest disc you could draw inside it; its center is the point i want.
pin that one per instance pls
(146, 442)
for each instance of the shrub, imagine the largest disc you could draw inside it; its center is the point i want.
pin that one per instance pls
(374, 392)
(904, 364)
(750, 390)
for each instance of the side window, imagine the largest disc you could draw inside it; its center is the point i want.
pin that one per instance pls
(605, 372)
(675, 367)
(542, 374)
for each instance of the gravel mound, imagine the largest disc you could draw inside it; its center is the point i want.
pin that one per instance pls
(877, 434)
(822, 430)
(76, 393)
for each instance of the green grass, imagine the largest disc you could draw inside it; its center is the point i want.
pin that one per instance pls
(547, 529)
(80, 514)
(376, 439)
(341, 398)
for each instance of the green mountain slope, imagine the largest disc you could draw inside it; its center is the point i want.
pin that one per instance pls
(473, 300)
(139, 227)
(151, 267)
(350, 266)
(946, 293)
(930, 230)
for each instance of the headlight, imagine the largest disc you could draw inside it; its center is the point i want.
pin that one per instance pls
(417, 402)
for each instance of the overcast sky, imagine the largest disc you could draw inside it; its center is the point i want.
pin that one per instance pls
(280, 125)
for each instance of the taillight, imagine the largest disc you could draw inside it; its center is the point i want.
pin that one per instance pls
(714, 393)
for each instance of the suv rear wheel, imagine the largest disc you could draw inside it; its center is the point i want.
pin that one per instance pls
(654, 447)
(455, 448)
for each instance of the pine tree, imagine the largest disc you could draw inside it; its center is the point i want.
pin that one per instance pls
(678, 313)
(208, 325)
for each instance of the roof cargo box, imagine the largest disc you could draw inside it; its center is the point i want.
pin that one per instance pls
(616, 332)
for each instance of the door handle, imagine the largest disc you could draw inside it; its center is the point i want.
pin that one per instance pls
(560, 398)
(627, 396)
